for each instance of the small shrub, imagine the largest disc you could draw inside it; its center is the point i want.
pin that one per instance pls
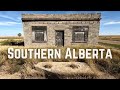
(20, 61)
(114, 69)
(81, 60)
(102, 65)
(87, 76)
(3, 56)
(14, 69)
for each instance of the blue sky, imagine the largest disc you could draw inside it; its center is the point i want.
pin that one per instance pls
(11, 25)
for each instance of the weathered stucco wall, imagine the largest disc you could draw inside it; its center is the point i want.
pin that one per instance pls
(91, 20)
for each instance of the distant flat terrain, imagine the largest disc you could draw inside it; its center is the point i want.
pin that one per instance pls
(110, 41)
(2, 38)
(11, 37)
(110, 37)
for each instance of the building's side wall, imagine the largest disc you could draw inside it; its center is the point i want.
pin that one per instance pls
(60, 25)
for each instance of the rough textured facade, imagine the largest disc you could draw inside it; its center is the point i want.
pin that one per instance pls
(61, 22)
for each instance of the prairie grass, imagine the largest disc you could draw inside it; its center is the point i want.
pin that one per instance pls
(111, 45)
(110, 37)
(111, 66)
(50, 75)
(11, 42)
(115, 53)
(11, 37)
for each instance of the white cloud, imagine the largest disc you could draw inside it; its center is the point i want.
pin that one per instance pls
(112, 22)
(11, 18)
(19, 18)
(8, 23)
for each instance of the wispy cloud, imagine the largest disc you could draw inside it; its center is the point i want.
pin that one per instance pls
(8, 23)
(112, 22)
(11, 18)
(19, 18)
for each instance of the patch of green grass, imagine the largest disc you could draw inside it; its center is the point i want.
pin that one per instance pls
(11, 42)
(6, 42)
(112, 45)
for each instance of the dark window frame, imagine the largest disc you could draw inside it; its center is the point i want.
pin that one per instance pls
(80, 29)
(43, 29)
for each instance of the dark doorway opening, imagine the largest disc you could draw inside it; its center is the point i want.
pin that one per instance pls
(59, 38)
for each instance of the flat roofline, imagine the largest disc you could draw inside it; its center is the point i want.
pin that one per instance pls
(61, 17)
(29, 20)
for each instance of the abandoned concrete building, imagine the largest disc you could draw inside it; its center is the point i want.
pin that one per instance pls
(60, 29)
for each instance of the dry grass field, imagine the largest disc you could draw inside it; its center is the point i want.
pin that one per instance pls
(111, 40)
(10, 37)
(110, 37)
(30, 68)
